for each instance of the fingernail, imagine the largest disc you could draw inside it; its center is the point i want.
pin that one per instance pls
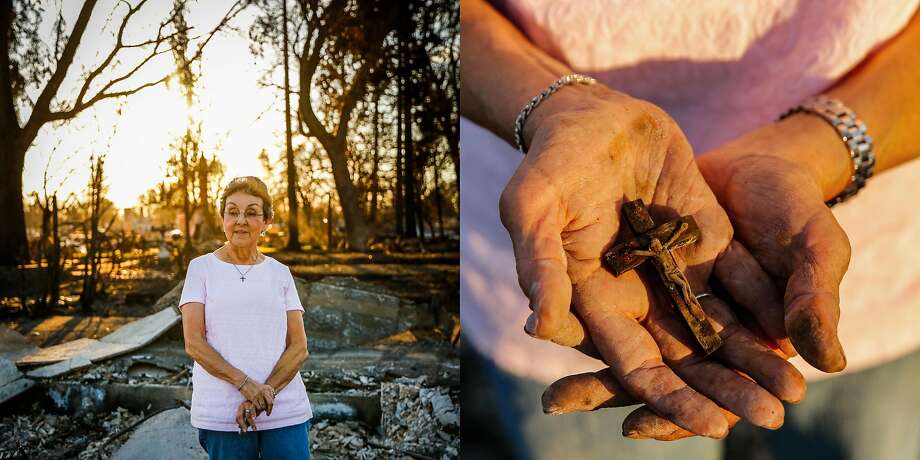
(634, 435)
(553, 410)
(530, 327)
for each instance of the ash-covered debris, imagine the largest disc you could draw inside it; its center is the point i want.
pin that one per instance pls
(333, 440)
(419, 418)
(137, 369)
(87, 437)
(390, 385)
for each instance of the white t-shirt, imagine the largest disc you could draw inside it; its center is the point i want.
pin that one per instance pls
(246, 322)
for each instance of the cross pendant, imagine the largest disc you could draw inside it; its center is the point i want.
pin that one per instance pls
(656, 243)
(242, 278)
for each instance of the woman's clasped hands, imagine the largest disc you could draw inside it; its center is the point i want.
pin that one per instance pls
(259, 398)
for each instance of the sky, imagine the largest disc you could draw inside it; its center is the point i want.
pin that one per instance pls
(239, 118)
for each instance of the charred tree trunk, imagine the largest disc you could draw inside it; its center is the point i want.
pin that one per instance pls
(409, 171)
(375, 181)
(329, 246)
(186, 199)
(208, 227)
(410, 193)
(91, 267)
(439, 206)
(54, 261)
(293, 229)
(400, 183)
(14, 246)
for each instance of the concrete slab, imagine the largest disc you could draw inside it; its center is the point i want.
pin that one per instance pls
(56, 353)
(167, 435)
(80, 353)
(60, 368)
(14, 388)
(102, 350)
(144, 330)
(14, 345)
(345, 312)
(11, 381)
(8, 371)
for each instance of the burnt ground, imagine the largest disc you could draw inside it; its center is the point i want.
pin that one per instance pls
(355, 391)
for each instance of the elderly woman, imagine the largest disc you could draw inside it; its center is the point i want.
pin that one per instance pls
(243, 325)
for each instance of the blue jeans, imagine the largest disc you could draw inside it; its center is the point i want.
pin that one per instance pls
(868, 414)
(287, 443)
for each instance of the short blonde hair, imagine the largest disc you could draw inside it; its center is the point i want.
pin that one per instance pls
(251, 185)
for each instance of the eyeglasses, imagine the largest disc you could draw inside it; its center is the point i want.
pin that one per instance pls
(235, 215)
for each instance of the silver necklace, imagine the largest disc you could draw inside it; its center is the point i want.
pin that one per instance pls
(242, 275)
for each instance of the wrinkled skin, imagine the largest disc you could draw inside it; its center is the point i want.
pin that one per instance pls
(777, 210)
(592, 151)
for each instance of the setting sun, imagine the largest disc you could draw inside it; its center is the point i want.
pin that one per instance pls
(239, 118)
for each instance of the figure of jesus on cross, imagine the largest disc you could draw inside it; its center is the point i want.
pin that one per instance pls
(657, 244)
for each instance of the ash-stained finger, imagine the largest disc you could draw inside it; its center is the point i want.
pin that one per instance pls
(585, 392)
(643, 423)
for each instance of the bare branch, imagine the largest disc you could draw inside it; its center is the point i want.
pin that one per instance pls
(118, 46)
(80, 104)
(128, 75)
(157, 40)
(269, 84)
(234, 10)
(63, 115)
(43, 103)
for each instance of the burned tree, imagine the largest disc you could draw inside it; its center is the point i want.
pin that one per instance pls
(48, 247)
(30, 63)
(98, 208)
(270, 31)
(340, 57)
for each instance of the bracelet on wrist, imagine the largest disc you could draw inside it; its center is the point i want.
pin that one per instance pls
(240, 386)
(854, 134)
(536, 100)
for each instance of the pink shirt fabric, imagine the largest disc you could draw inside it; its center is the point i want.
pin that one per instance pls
(246, 322)
(720, 68)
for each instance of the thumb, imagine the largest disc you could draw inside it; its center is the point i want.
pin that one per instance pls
(534, 219)
(820, 257)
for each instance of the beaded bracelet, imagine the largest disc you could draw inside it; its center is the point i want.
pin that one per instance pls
(525, 112)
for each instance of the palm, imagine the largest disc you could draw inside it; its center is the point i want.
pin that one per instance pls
(778, 211)
(562, 209)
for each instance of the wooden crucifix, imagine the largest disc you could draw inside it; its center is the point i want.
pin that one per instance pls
(657, 243)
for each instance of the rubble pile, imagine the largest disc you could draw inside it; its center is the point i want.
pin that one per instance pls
(384, 383)
(87, 437)
(419, 419)
(349, 380)
(138, 369)
(330, 439)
